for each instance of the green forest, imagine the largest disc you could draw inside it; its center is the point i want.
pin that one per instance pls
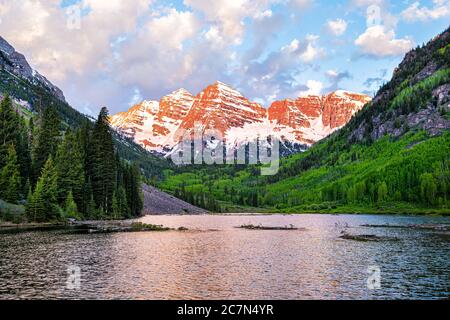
(406, 175)
(50, 171)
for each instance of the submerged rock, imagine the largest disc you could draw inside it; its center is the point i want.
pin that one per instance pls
(434, 227)
(366, 238)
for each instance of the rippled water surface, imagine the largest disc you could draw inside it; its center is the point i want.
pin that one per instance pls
(214, 260)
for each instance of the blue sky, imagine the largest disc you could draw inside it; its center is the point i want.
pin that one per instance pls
(116, 53)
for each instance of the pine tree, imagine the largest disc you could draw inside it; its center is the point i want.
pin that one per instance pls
(123, 203)
(10, 178)
(133, 190)
(70, 208)
(24, 156)
(70, 169)
(91, 209)
(31, 132)
(9, 128)
(47, 140)
(36, 209)
(102, 164)
(44, 202)
(115, 207)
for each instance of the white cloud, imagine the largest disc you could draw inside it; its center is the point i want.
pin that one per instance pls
(314, 89)
(332, 73)
(306, 52)
(415, 12)
(313, 51)
(336, 27)
(379, 42)
(229, 15)
(42, 34)
(172, 29)
(214, 37)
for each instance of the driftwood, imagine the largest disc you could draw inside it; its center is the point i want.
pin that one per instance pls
(260, 227)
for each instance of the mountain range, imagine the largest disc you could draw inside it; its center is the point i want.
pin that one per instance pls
(159, 125)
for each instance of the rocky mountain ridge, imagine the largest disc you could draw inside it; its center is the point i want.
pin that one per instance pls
(16, 64)
(158, 126)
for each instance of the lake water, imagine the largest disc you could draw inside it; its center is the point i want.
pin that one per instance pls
(215, 260)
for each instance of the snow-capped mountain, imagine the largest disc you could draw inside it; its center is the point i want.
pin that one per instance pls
(158, 126)
(310, 119)
(153, 124)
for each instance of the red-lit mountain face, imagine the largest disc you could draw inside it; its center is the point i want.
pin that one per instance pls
(312, 118)
(158, 126)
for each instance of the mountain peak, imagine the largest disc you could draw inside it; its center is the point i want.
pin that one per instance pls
(180, 93)
(221, 86)
(222, 89)
(305, 120)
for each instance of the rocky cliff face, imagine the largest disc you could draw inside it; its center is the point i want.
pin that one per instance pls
(220, 107)
(16, 63)
(417, 97)
(159, 125)
(310, 119)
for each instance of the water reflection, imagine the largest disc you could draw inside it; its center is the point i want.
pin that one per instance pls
(230, 263)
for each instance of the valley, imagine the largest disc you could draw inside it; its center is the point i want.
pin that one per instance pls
(357, 155)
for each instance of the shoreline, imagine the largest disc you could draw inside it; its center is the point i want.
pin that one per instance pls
(88, 227)
(134, 225)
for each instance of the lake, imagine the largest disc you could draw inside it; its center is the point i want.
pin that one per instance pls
(215, 260)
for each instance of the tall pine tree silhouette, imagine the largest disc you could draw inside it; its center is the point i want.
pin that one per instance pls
(102, 163)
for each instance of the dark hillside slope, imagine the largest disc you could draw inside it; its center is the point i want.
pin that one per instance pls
(34, 93)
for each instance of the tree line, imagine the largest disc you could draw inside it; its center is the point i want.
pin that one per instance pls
(59, 172)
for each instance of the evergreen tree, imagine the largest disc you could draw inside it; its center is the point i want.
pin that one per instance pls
(102, 163)
(31, 132)
(122, 203)
(70, 208)
(91, 209)
(47, 140)
(133, 190)
(115, 207)
(36, 208)
(70, 169)
(10, 178)
(44, 202)
(9, 128)
(24, 156)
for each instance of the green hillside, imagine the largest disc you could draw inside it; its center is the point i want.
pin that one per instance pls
(393, 156)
